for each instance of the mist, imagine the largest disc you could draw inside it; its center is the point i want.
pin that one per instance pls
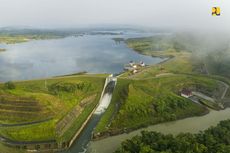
(176, 14)
(206, 36)
(210, 49)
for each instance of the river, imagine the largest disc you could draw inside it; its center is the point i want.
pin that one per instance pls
(192, 125)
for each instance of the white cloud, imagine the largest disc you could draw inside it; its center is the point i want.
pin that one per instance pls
(69, 13)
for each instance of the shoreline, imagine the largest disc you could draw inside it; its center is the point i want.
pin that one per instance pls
(26, 38)
(172, 127)
(2, 49)
(108, 134)
(123, 131)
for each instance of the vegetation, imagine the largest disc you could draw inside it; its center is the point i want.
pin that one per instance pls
(193, 53)
(153, 94)
(9, 85)
(157, 43)
(79, 121)
(148, 97)
(12, 39)
(214, 139)
(46, 102)
(33, 132)
(6, 149)
(2, 49)
(119, 95)
(12, 36)
(180, 60)
(139, 103)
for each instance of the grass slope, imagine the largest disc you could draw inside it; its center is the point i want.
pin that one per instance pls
(152, 95)
(151, 101)
(53, 98)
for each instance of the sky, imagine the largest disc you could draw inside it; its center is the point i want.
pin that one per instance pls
(80, 13)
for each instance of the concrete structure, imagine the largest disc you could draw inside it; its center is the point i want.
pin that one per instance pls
(131, 63)
(186, 93)
(53, 145)
(142, 64)
(135, 71)
(105, 97)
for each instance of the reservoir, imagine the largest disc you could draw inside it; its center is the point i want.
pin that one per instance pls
(47, 58)
(94, 54)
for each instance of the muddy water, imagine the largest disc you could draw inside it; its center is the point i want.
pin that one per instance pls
(192, 125)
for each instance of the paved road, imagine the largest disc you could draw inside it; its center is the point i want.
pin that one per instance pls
(198, 94)
(225, 90)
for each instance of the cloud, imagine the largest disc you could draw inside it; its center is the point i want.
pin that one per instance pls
(157, 13)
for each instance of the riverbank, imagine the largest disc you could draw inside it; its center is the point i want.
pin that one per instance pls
(25, 38)
(190, 125)
(179, 63)
(141, 100)
(137, 104)
(107, 134)
(2, 49)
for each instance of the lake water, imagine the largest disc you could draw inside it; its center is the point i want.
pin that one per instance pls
(46, 58)
(94, 54)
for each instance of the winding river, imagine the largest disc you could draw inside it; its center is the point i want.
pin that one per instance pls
(192, 125)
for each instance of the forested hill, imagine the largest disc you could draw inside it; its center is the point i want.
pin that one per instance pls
(213, 140)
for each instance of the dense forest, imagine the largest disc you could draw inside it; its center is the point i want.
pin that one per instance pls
(213, 140)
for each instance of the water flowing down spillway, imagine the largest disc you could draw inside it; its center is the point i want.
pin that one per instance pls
(81, 143)
(104, 104)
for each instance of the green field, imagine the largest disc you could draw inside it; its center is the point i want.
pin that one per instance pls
(149, 97)
(49, 101)
(193, 53)
(151, 101)
(2, 50)
(5, 149)
(152, 95)
(180, 58)
(9, 39)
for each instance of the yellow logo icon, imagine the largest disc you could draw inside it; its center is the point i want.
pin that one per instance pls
(216, 11)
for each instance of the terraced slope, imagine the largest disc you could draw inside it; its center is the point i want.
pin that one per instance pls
(34, 110)
(18, 110)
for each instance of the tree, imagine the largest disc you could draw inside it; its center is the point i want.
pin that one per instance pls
(212, 140)
(9, 85)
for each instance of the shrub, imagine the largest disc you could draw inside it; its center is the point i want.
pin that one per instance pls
(68, 87)
(9, 85)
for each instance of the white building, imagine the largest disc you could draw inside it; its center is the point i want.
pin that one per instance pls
(186, 93)
(142, 64)
(131, 63)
